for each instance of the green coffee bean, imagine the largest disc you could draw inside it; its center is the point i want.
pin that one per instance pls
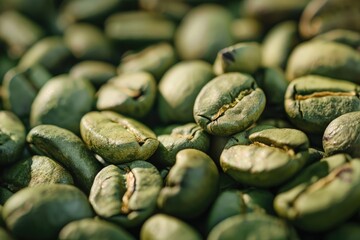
(131, 94)
(126, 194)
(241, 57)
(62, 101)
(12, 137)
(162, 227)
(229, 104)
(342, 135)
(51, 52)
(178, 90)
(91, 229)
(18, 31)
(278, 43)
(234, 202)
(116, 138)
(328, 59)
(34, 171)
(96, 72)
(265, 157)
(312, 102)
(139, 27)
(86, 41)
(90, 10)
(155, 59)
(20, 88)
(180, 137)
(4, 235)
(322, 196)
(203, 32)
(347, 37)
(276, 10)
(319, 17)
(252, 226)
(191, 185)
(40, 212)
(246, 29)
(67, 149)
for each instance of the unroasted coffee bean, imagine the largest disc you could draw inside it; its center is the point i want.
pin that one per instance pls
(312, 102)
(116, 138)
(19, 32)
(253, 226)
(241, 57)
(191, 185)
(139, 28)
(155, 59)
(20, 87)
(342, 135)
(86, 41)
(131, 94)
(278, 44)
(12, 137)
(180, 137)
(322, 196)
(51, 52)
(324, 58)
(62, 101)
(126, 194)
(37, 170)
(320, 16)
(163, 227)
(264, 156)
(203, 32)
(178, 89)
(229, 104)
(67, 149)
(30, 213)
(93, 229)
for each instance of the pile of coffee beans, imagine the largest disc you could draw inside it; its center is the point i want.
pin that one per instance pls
(179, 119)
